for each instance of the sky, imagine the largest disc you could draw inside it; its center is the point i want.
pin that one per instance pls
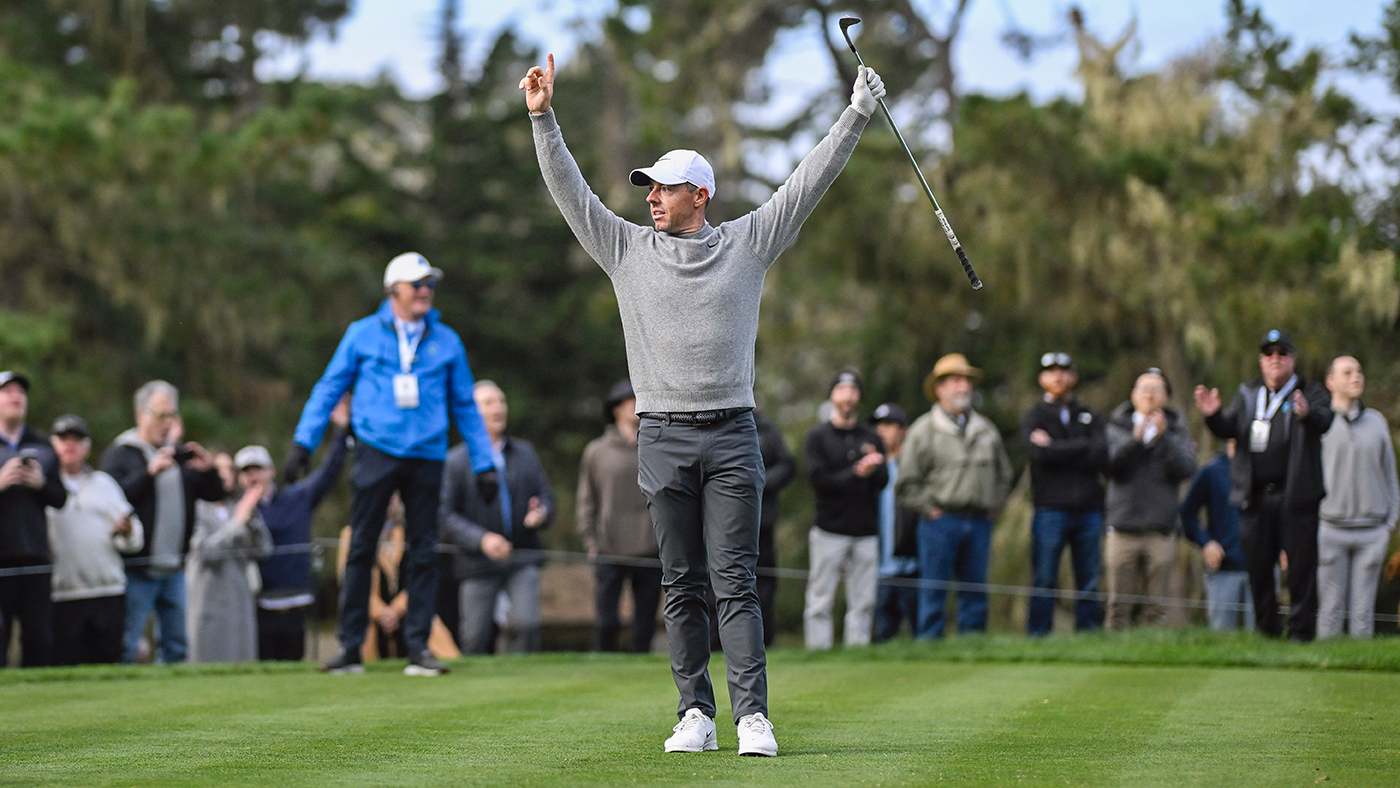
(397, 36)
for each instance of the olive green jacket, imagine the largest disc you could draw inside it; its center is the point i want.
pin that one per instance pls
(953, 470)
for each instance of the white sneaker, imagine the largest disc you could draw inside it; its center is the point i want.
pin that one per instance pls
(756, 736)
(694, 733)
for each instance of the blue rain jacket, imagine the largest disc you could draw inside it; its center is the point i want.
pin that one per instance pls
(367, 361)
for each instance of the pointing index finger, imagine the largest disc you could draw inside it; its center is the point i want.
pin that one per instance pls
(549, 72)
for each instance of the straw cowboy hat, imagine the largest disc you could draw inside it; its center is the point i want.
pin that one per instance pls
(951, 364)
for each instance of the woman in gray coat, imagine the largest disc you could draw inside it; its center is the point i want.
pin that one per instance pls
(228, 538)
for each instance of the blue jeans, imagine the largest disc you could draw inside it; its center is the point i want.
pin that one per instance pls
(955, 546)
(1226, 592)
(1051, 531)
(166, 596)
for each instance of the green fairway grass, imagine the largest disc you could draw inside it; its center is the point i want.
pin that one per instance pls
(1154, 708)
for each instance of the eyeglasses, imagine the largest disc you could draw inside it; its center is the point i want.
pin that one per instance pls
(169, 415)
(1275, 351)
(427, 282)
(1055, 360)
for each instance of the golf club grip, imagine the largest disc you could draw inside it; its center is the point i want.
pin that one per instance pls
(967, 269)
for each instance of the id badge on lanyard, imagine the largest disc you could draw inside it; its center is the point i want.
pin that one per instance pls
(1264, 409)
(1259, 435)
(406, 382)
(406, 390)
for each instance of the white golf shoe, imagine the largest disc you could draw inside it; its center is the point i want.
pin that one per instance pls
(694, 733)
(756, 736)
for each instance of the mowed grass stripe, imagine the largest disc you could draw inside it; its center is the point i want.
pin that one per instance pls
(1067, 725)
(1292, 728)
(1262, 727)
(857, 717)
(221, 725)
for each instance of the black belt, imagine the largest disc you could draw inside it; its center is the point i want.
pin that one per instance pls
(700, 417)
(1270, 487)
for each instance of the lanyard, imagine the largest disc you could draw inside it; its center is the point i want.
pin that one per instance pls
(407, 350)
(1277, 400)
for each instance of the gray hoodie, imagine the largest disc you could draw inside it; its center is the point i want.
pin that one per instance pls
(1358, 470)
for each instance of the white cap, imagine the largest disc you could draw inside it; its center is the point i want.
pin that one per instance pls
(252, 457)
(678, 166)
(409, 267)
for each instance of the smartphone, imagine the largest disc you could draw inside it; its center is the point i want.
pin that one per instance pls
(183, 453)
(30, 457)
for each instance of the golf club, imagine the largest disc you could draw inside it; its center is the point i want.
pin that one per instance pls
(846, 22)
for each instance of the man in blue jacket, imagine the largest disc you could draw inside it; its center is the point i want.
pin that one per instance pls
(408, 372)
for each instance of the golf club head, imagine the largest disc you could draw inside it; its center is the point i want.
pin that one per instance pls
(846, 22)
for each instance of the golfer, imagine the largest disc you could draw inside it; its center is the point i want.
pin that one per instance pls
(689, 296)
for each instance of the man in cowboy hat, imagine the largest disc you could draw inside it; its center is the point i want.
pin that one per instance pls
(956, 475)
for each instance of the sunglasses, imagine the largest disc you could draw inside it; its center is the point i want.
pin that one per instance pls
(1055, 360)
(1274, 351)
(427, 282)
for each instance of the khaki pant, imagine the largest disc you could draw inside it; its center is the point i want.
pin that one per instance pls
(1138, 568)
(831, 557)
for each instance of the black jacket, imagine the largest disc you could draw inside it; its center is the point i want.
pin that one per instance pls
(127, 465)
(24, 526)
(846, 503)
(1144, 480)
(463, 518)
(778, 467)
(1303, 486)
(1066, 475)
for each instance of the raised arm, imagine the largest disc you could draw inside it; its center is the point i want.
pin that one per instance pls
(321, 480)
(602, 233)
(1224, 423)
(773, 227)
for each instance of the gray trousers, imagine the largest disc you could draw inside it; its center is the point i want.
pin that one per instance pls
(478, 609)
(1349, 562)
(703, 486)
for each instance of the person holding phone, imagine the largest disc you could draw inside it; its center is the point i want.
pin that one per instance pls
(29, 481)
(162, 477)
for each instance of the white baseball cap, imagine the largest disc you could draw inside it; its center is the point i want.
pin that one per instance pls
(409, 267)
(678, 166)
(252, 457)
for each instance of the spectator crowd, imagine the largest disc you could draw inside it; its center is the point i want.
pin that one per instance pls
(171, 551)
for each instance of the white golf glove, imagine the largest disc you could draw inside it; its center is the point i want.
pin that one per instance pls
(869, 89)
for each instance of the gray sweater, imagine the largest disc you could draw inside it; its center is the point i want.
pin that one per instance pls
(689, 303)
(1358, 469)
